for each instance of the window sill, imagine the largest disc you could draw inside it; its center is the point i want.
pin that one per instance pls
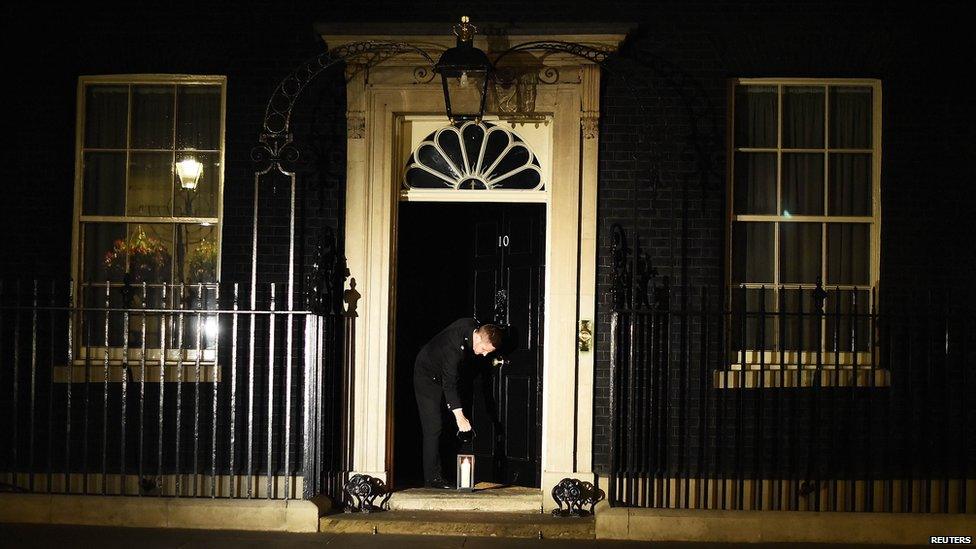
(96, 355)
(209, 372)
(771, 360)
(774, 376)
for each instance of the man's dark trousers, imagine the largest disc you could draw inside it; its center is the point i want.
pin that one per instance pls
(429, 403)
(436, 374)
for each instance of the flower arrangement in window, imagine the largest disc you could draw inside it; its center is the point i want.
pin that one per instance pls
(201, 262)
(142, 256)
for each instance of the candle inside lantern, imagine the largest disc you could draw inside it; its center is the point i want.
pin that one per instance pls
(465, 473)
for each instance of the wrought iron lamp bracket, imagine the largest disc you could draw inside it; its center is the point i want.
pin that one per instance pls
(277, 113)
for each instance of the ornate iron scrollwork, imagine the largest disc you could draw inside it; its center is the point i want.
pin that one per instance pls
(575, 494)
(364, 489)
(274, 151)
(819, 295)
(619, 268)
(589, 53)
(277, 114)
(321, 294)
(632, 276)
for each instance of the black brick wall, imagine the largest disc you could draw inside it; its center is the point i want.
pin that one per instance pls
(688, 51)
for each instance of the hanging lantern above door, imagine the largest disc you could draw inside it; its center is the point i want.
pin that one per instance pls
(464, 71)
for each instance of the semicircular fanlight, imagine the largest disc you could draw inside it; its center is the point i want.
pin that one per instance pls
(474, 155)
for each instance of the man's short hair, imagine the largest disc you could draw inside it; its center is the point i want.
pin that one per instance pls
(494, 333)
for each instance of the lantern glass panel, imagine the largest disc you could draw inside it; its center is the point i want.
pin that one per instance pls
(465, 472)
(465, 92)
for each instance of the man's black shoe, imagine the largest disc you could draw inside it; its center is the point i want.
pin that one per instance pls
(439, 483)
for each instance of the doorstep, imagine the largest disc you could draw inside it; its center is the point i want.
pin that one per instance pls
(486, 497)
(459, 523)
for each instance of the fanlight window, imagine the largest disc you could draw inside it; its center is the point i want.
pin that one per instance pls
(474, 155)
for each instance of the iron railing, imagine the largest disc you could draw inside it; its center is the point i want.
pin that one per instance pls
(164, 389)
(791, 398)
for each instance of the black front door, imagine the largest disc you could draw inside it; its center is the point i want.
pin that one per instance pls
(486, 261)
(509, 271)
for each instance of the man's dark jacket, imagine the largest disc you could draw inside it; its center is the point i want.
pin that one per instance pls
(438, 361)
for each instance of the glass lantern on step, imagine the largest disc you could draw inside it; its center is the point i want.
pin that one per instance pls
(465, 473)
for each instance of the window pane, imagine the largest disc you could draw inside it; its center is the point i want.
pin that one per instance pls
(802, 192)
(800, 323)
(850, 117)
(752, 255)
(848, 253)
(800, 249)
(92, 330)
(755, 308)
(199, 253)
(755, 116)
(195, 297)
(202, 201)
(106, 113)
(430, 156)
(755, 183)
(850, 184)
(803, 117)
(105, 260)
(104, 184)
(149, 250)
(152, 117)
(101, 241)
(150, 184)
(848, 321)
(198, 117)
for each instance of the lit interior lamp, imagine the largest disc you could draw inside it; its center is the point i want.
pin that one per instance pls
(210, 328)
(189, 170)
(465, 473)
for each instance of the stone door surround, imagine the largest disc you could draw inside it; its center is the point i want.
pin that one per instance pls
(381, 103)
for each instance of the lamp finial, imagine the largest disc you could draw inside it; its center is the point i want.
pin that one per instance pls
(465, 30)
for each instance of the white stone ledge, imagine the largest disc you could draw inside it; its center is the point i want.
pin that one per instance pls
(161, 512)
(625, 523)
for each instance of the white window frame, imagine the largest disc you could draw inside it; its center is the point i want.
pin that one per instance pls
(118, 356)
(803, 360)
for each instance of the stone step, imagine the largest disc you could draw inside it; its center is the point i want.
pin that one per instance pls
(470, 523)
(485, 498)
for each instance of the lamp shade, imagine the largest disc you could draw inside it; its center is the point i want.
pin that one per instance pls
(189, 171)
(464, 71)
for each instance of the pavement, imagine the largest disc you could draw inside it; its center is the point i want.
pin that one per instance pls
(31, 536)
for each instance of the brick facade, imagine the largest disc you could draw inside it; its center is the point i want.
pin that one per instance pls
(674, 198)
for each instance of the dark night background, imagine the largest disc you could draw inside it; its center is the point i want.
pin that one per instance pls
(921, 52)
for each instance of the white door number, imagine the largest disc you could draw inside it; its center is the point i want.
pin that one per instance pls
(503, 241)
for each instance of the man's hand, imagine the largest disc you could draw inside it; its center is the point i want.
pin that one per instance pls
(462, 422)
